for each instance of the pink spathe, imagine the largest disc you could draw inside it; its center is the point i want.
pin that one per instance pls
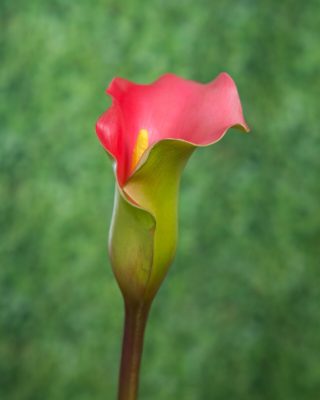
(169, 108)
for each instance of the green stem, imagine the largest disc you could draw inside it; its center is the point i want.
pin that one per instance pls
(135, 322)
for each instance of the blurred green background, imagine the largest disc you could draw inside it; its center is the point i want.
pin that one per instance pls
(239, 315)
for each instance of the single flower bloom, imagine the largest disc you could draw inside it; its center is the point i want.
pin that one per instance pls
(151, 131)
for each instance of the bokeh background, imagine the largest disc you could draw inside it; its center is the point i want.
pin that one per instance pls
(239, 315)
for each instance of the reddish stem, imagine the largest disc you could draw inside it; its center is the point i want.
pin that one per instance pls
(132, 346)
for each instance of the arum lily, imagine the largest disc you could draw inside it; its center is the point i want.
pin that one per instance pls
(150, 131)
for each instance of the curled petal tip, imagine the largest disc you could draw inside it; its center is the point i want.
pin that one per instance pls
(118, 87)
(229, 89)
(244, 127)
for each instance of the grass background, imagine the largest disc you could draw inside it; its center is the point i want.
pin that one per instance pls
(238, 317)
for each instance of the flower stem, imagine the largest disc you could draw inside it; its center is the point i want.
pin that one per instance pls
(135, 322)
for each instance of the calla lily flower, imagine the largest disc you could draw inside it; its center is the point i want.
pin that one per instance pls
(151, 131)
